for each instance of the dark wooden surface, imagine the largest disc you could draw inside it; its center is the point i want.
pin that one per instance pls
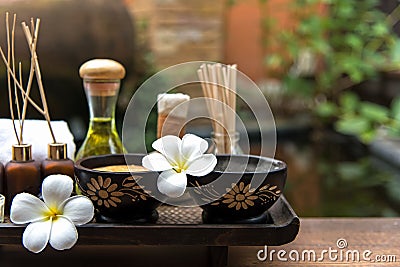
(182, 226)
(380, 235)
(97, 245)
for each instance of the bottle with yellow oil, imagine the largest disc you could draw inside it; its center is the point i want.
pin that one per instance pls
(101, 81)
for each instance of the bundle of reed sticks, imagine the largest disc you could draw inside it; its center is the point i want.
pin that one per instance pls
(31, 35)
(218, 83)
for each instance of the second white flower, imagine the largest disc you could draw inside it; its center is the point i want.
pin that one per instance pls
(175, 158)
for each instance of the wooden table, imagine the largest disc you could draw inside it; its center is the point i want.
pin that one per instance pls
(183, 226)
(379, 235)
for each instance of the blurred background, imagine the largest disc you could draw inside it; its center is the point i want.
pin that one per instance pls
(330, 71)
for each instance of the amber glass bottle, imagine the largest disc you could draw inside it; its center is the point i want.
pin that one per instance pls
(22, 173)
(57, 161)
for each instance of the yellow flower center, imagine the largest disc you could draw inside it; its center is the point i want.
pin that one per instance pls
(52, 213)
(178, 169)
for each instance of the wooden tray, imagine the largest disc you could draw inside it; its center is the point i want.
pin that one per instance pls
(182, 226)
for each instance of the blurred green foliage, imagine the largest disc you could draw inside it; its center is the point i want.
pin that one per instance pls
(350, 42)
(361, 118)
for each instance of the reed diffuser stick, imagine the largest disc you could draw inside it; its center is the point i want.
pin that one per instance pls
(10, 97)
(233, 86)
(218, 116)
(34, 56)
(209, 92)
(19, 86)
(32, 45)
(9, 61)
(20, 73)
(204, 87)
(218, 83)
(13, 68)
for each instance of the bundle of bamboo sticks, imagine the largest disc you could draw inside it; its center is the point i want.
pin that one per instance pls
(218, 83)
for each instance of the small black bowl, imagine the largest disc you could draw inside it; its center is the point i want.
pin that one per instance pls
(241, 189)
(119, 197)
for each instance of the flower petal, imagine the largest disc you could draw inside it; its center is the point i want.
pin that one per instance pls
(27, 208)
(233, 204)
(63, 234)
(79, 209)
(156, 162)
(56, 189)
(36, 235)
(249, 202)
(202, 165)
(170, 147)
(171, 183)
(107, 182)
(241, 186)
(193, 147)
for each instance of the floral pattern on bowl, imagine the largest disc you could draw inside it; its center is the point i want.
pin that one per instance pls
(240, 196)
(119, 197)
(243, 201)
(104, 192)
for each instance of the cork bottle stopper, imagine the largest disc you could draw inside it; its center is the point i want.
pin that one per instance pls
(102, 69)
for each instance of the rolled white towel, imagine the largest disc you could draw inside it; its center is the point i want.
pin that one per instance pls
(36, 133)
(166, 103)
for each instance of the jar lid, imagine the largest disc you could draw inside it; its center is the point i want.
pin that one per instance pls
(57, 151)
(22, 152)
(99, 68)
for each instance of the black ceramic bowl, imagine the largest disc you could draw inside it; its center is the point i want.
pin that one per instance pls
(121, 197)
(240, 189)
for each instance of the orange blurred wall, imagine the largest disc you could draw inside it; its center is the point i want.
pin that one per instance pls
(244, 35)
(243, 38)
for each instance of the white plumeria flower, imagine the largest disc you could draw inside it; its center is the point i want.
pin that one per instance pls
(175, 159)
(54, 219)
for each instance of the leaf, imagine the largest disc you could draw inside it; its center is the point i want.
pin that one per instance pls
(380, 29)
(356, 75)
(395, 51)
(353, 125)
(320, 46)
(326, 109)
(346, 10)
(354, 41)
(274, 60)
(301, 86)
(349, 102)
(395, 108)
(368, 137)
(374, 112)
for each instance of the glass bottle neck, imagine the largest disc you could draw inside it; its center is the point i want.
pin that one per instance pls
(102, 97)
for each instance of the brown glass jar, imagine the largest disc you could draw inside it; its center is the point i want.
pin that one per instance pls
(57, 161)
(22, 173)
